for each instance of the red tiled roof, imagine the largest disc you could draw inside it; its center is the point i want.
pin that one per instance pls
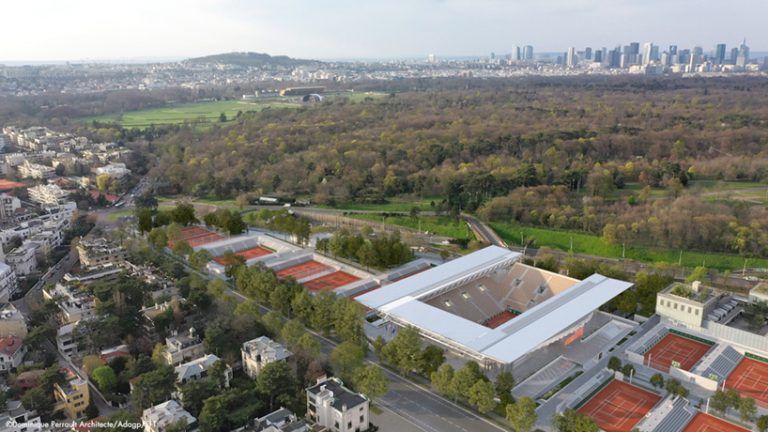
(10, 344)
(109, 197)
(6, 184)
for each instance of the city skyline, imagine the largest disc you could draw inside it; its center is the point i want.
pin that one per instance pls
(81, 30)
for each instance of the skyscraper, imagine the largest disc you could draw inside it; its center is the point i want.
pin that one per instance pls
(720, 54)
(570, 57)
(743, 57)
(517, 54)
(588, 53)
(528, 53)
(647, 50)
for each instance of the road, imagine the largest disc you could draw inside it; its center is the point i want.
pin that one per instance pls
(483, 231)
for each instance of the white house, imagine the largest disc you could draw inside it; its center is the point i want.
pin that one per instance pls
(8, 282)
(259, 352)
(11, 353)
(337, 408)
(198, 369)
(160, 417)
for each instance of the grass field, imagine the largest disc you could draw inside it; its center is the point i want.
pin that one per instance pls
(174, 114)
(118, 214)
(440, 225)
(394, 205)
(594, 245)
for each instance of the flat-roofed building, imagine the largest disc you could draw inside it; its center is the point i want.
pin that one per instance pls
(259, 352)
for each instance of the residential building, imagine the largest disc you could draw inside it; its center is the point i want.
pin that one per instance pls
(259, 352)
(9, 204)
(69, 339)
(183, 347)
(23, 260)
(337, 408)
(16, 418)
(280, 420)
(160, 417)
(35, 171)
(75, 304)
(113, 170)
(12, 321)
(8, 282)
(99, 252)
(73, 396)
(49, 194)
(11, 353)
(198, 369)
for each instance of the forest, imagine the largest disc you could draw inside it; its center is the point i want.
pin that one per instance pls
(611, 156)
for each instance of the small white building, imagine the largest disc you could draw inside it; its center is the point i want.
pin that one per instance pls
(49, 194)
(259, 352)
(16, 413)
(113, 170)
(75, 304)
(337, 408)
(160, 417)
(183, 347)
(198, 369)
(22, 260)
(8, 205)
(12, 322)
(11, 353)
(8, 282)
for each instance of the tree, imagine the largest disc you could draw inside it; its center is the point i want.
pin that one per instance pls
(614, 363)
(182, 248)
(301, 305)
(183, 214)
(403, 350)
(310, 345)
(199, 259)
(273, 322)
(481, 396)
(430, 359)
(719, 402)
(747, 409)
(91, 362)
(348, 320)
(371, 381)
(698, 274)
(213, 416)
(505, 382)
(144, 220)
(442, 379)
(102, 182)
(158, 238)
(522, 414)
(154, 387)
(378, 345)
(572, 421)
(218, 373)
(222, 118)
(292, 331)
(465, 378)
(627, 369)
(322, 312)
(674, 387)
(40, 400)
(762, 423)
(657, 380)
(196, 392)
(346, 357)
(277, 382)
(105, 378)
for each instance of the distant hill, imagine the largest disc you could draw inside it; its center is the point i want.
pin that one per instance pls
(253, 59)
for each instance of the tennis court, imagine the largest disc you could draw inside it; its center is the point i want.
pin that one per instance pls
(619, 406)
(499, 319)
(196, 236)
(675, 348)
(750, 379)
(300, 271)
(707, 423)
(330, 281)
(247, 254)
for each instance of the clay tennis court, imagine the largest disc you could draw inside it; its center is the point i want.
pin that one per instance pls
(196, 236)
(619, 406)
(499, 319)
(707, 423)
(675, 348)
(330, 281)
(247, 254)
(750, 379)
(300, 271)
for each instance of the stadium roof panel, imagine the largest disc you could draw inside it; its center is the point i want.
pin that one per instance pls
(507, 342)
(435, 278)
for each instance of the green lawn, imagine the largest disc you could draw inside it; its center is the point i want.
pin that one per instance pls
(393, 205)
(439, 225)
(594, 245)
(209, 111)
(115, 215)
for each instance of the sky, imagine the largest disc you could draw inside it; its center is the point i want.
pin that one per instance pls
(78, 30)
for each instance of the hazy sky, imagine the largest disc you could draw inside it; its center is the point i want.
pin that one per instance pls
(107, 29)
